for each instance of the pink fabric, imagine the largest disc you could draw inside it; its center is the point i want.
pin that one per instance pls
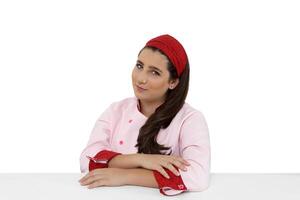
(117, 130)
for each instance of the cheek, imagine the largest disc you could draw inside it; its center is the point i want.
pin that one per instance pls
(133, 75)
(159, 85)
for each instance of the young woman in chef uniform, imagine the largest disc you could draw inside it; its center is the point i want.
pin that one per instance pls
(154, 139)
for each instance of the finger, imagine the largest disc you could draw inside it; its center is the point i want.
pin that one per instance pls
(96, 184)
(90, 180)
(84, 177)
(179, 164)
(90, 174)
(163, 172)
(172, 169)
(182, 160)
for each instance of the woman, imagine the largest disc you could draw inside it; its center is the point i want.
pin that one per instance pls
(154, 135)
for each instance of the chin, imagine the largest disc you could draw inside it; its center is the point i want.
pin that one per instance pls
(140, 96)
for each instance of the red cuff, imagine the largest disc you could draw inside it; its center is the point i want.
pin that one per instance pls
(101, 159)
(173, 183)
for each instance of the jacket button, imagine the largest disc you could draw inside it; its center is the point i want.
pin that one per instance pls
(121, 142)
(130, 121)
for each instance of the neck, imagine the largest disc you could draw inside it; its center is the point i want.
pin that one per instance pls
(148, 108)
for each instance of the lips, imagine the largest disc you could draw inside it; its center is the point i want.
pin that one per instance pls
(140, 88)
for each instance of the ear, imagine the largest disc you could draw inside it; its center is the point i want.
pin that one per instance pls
(173, 83)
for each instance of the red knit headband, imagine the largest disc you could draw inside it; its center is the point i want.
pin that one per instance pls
(173, 50)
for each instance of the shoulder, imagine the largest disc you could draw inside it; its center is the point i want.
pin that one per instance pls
(117, 108)
(188, 112)
(193, 125)
(123, 104)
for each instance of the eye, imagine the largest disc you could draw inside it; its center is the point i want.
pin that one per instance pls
(155, 73)
(139, 66)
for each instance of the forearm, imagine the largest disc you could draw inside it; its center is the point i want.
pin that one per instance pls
(134, 174)
(125, 161)
(140, 177)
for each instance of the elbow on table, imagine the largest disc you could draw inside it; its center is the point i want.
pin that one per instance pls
(84, 164)
(199, 187)
(198, 183)
(83, 169)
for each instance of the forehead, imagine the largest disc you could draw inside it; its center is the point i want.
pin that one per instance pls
(154, 58)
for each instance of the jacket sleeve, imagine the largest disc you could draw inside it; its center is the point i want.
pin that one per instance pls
(195, 148)
(194, 145)
(98, 151)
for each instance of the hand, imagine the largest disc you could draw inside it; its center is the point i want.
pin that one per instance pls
(104, 177)
(157, 162)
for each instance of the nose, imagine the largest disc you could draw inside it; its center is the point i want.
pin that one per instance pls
(142, 79)
(142, 82)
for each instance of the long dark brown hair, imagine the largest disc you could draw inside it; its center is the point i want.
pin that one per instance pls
(164, 114)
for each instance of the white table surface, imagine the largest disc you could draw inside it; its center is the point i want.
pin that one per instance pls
(43, 186)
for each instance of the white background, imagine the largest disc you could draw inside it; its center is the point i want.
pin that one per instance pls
(63, 62)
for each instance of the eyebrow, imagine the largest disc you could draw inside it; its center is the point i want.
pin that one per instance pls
(151, 66)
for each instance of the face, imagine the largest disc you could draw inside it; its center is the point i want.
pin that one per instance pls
(150, 76)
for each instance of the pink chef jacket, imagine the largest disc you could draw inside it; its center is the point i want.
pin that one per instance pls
(116, 131)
